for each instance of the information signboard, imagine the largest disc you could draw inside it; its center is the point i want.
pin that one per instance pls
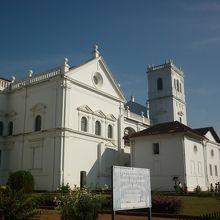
(131, 188)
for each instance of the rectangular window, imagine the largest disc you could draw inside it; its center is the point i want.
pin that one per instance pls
(210, 169)
(156, 148)
(216, 171)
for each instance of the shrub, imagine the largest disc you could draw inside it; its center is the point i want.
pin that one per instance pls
(17, 206)
(166, 204)
(64, 188)
(47, 199)
(198, 189)
(21, 180)
(80, 204)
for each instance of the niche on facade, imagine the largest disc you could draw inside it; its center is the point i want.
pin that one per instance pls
(38, 111)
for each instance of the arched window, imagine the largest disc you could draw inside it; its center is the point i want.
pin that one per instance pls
(83, 124)
(180, 87)
(177, 85)
(127, 131)
(98, 128)
(1, 128)
(38, 123)
(195, 149)
(110, 131)
(159, 84)
(10, 128)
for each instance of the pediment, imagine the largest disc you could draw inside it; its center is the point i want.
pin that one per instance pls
(11, 114)
(85, 108)
(96, 76)
(210, 136)
(100, 114)
(111, 117)
(38, 107)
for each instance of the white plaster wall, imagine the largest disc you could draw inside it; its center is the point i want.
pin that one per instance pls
(163, 167)
(161, 110)
(18, 150)
(195, 164)
(83, 153)
(213, 160)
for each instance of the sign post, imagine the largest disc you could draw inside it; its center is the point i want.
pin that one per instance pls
(130, 189)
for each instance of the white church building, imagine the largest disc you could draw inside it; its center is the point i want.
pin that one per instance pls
(71, 119)
(66, 120)
(169, 148)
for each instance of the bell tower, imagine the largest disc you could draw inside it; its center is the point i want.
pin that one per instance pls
(166, 94)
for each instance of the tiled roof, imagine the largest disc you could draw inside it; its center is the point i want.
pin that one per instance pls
(203, 132)
(136, 108)
(165, 128)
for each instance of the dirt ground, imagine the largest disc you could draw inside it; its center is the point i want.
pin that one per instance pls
(54, 215)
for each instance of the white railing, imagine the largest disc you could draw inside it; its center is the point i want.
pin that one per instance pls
(4, 84)
(168, 64)
(36, 78)
(140, 118)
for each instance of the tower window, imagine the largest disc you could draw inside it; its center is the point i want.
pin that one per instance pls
(38, 123)
(110, 131)
(177, 85)
(98, 128)
(1, 128)
(10, 128)
(159, 84)
(156, 148)
(84, 124)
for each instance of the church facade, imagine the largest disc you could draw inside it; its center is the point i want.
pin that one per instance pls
(66, 120)
(71, 119)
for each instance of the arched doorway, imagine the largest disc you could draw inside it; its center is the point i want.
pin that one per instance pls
(128, 131)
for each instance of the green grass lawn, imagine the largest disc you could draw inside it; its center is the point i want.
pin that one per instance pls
(193, 205)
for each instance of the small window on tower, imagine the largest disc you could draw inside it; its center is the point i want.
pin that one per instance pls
(156, 148)
(174, 82)
(159, 84)
(177, 85)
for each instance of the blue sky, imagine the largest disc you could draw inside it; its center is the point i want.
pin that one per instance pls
(38, 34)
